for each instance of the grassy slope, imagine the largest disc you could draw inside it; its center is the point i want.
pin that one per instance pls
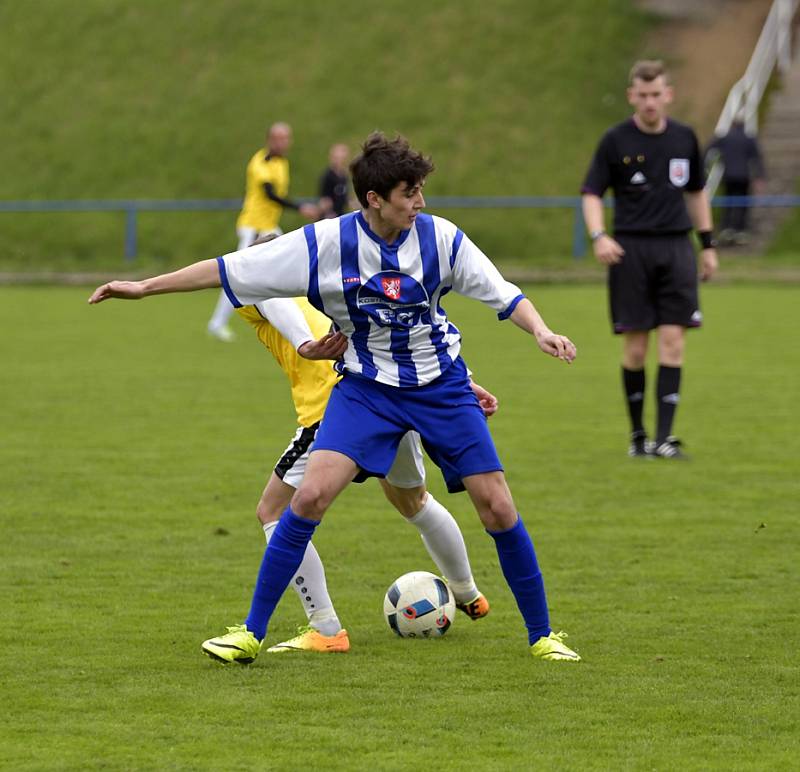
(153, 99)
(121, 458)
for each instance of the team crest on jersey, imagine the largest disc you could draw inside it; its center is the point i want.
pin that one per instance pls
(393, 299)
(391, 287)
(679, 171)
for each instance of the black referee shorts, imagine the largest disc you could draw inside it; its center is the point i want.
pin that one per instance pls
(655, 284)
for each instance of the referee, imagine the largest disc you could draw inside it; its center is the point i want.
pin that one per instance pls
(654, 166)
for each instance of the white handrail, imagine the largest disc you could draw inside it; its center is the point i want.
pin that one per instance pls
(774, 47)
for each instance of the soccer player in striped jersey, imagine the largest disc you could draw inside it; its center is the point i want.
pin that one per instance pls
(266, 196)
(298, 337)
(380, 274)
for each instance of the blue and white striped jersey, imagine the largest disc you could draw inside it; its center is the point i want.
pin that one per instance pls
(386, 298)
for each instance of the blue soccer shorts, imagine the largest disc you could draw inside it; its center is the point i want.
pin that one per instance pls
(365, 420)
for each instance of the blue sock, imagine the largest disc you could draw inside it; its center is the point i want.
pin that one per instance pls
(281, 560)
(518, 561)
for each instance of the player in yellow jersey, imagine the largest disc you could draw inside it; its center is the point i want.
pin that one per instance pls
(298, 337)
(265, 198)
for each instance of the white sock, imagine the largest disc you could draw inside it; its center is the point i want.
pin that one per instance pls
(445, 544)
(222, 313)
(310, 586)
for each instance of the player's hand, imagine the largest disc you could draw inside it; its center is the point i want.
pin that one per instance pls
(607, 250)
(310, 211)
(709, 263)
(559, 346)
(128, 290)
(330, 346)
(486, 399)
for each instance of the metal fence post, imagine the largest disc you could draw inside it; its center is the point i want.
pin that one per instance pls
(130, 233)
(783, 35)
(578, 233)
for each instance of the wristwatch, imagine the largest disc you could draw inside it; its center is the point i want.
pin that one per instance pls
(594, 235)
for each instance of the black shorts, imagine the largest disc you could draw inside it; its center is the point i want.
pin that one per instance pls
(655, 284)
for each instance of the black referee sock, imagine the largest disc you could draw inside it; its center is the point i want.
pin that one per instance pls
(668, 395)
(633, 383)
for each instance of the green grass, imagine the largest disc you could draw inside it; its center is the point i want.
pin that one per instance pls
(131, 441)
(788, 236)
(153, 99)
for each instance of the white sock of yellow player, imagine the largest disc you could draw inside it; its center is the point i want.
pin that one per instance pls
(445, 544)
(222, 312)
(312, 589)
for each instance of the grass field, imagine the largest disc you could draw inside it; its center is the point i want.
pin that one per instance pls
(133, 452)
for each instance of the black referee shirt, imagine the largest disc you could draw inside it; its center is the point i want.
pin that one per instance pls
(648, 174)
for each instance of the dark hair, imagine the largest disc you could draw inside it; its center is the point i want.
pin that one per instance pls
(265, 239)
(648, 70)
(385, 163)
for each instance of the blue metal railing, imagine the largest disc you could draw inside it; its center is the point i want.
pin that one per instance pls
(132, 207)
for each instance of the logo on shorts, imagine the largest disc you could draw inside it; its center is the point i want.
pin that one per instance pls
(393, 299)
(391, 287)
(679, 171)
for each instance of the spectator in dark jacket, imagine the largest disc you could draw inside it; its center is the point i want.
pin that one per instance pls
(744, 170)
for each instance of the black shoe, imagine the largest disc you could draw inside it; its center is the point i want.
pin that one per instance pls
(669, 448)
(640, 446)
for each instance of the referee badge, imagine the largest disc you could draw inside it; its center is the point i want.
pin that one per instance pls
(679, 171)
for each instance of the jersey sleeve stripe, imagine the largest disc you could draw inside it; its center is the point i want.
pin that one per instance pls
(510, 310)
(313, 268)
(223, 277)
(456, 244)
(348, 236)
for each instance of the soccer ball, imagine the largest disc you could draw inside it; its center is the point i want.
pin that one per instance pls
(419, 605)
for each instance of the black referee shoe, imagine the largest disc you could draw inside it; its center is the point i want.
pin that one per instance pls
(640, 446)
(669, 448)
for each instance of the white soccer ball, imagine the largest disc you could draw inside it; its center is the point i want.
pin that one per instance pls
(419, 605)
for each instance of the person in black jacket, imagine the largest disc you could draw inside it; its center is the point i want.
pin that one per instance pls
(334, 184)
(743, 171)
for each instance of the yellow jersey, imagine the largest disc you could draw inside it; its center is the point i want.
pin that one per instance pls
(259, 211)
(311, 380)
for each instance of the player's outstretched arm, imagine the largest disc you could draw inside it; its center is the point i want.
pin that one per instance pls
(527, 318)
(197, 276)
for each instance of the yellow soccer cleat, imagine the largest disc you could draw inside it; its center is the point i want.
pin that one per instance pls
(477, 608)
(309, 639)
(553, 648)
(237, 645)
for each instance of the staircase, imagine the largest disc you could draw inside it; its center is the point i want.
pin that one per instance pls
(780, 145)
